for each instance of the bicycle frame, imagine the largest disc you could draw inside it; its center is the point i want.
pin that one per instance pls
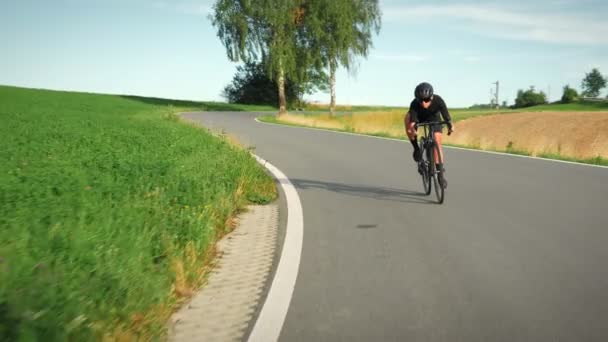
(429, 128)
(427, 164)
(429, 132)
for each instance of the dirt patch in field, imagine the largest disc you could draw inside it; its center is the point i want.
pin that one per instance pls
(570, 134)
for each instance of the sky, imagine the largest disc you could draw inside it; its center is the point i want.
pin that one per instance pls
(170, 49)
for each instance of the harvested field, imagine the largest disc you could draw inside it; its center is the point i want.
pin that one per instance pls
(569, 134)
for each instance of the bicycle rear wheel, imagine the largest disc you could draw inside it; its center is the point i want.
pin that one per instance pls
(439, 191)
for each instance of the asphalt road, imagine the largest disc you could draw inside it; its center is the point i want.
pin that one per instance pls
(518, 251)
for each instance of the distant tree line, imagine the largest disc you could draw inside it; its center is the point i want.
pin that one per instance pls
(591, 85)
(483, 106)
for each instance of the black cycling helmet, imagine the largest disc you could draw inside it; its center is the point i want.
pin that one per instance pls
(423, 91)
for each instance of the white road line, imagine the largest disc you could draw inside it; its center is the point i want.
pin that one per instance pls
(446, 146)
(270, 321)
(529, 157)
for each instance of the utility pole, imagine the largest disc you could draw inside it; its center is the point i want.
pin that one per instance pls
(496, 95)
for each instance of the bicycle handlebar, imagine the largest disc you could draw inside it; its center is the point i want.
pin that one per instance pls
(431, 123)
(420, 124)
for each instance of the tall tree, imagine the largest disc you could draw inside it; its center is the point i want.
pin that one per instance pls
(338, 31)
(261, 30)
(593, 83)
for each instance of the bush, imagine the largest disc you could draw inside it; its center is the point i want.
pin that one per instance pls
(529, 98)
(251, 85)
(570, 95)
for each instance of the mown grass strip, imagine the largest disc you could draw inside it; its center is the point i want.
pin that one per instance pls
(109, 208)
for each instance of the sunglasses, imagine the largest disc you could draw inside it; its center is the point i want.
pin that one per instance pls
(426, 100)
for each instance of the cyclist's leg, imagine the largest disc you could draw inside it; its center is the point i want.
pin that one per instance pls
(438, 141)
(409, 126)
(437, 136)
(441, 175)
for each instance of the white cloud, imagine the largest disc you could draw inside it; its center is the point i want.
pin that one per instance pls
(160, 4)
(202, 8)
(520, 24)
(399, 58)
(196, 9)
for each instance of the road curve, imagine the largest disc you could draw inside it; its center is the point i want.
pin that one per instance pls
(517, 253)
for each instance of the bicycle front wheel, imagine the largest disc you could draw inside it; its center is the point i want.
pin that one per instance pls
(423, 170)
(439, 191)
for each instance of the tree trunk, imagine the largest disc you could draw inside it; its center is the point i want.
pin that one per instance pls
(332, 87)
(282, 101)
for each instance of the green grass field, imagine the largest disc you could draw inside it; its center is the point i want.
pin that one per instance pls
(108, 208)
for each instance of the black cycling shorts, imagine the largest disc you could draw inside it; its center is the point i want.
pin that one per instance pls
(431, 118)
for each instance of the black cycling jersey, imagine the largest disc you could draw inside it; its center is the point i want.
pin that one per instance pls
(420, 114)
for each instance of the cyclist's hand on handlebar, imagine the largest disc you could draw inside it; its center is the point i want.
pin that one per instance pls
(450, 128)
(412, 129)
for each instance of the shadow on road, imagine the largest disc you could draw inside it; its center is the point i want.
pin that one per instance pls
(386, 194)
(367, 226)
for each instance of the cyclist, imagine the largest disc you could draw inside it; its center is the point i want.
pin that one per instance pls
(426, 107)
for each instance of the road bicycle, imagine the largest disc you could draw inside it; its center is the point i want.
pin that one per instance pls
(427, 166)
